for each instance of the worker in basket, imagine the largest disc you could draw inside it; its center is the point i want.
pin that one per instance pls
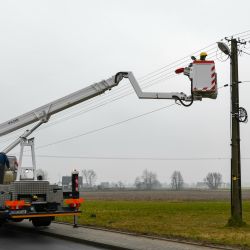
(203, 56)
(186, 70)
(4, 162)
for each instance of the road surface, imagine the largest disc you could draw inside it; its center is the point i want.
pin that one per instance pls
(10, 239)
(23, 236)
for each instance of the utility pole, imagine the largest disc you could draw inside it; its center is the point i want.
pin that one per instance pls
(236, 199)
(238, 114)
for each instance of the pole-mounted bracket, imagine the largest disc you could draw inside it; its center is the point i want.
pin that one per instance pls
(241, 115)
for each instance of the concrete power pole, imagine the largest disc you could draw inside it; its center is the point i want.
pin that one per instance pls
(236, 200)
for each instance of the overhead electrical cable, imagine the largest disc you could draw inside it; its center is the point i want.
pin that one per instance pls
(108, 101)
(134, 158)
(114, 91)
(145, 77)
(103, 103)
(109, 126)
(153, 81)
(105, 127)
(194, 53)
(246, 34)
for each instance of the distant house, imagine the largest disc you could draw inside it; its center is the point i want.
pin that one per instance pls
(225, 185)
(145, 186)
(66, 182)
(202, 185)
(104, 185)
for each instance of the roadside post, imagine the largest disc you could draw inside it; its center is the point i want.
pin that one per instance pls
(75, 191)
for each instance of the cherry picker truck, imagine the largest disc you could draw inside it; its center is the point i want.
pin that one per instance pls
(25, 196)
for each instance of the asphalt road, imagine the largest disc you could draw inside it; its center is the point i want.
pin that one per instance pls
(15, 239)
(23, 236)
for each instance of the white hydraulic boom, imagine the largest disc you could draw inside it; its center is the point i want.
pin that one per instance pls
(43, 113)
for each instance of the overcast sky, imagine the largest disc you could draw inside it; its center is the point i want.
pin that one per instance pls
(49, 49)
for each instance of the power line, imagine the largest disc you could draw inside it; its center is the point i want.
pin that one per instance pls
(175, 64)
(145, 77)
(143, 85)
(227, 85)
(146, 84)
(177, 61)
(161, 76)
(90, 109)
(242, 36)
(245, 52)
(108, 101)
(102, 128)
(241, 33)
(105, 127)
(94, 107)
(109, 126)
(153, 82)
(134, 158)
(246, 38)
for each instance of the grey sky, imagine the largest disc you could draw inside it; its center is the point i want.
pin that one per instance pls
(49, 49)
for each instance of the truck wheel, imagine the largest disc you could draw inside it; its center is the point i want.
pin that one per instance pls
(17, 220)
(41, 222)
(1, 222)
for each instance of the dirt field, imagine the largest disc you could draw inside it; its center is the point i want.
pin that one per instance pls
(164, 195)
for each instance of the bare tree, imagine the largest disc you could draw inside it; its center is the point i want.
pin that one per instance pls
(137, 182)
(120, 185)
(213, 180)
(177, 180)
(148, 180)
(90, 177)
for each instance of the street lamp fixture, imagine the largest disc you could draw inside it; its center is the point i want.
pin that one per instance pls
(224, 48)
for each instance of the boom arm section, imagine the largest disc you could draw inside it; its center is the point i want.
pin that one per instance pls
(43, 113)
(150, 95)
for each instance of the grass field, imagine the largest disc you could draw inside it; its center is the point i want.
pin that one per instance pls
(194, 220)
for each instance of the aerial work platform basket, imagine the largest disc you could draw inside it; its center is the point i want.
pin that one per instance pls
(203, 77)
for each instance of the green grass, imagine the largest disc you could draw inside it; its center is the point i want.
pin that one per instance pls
(199, 221)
